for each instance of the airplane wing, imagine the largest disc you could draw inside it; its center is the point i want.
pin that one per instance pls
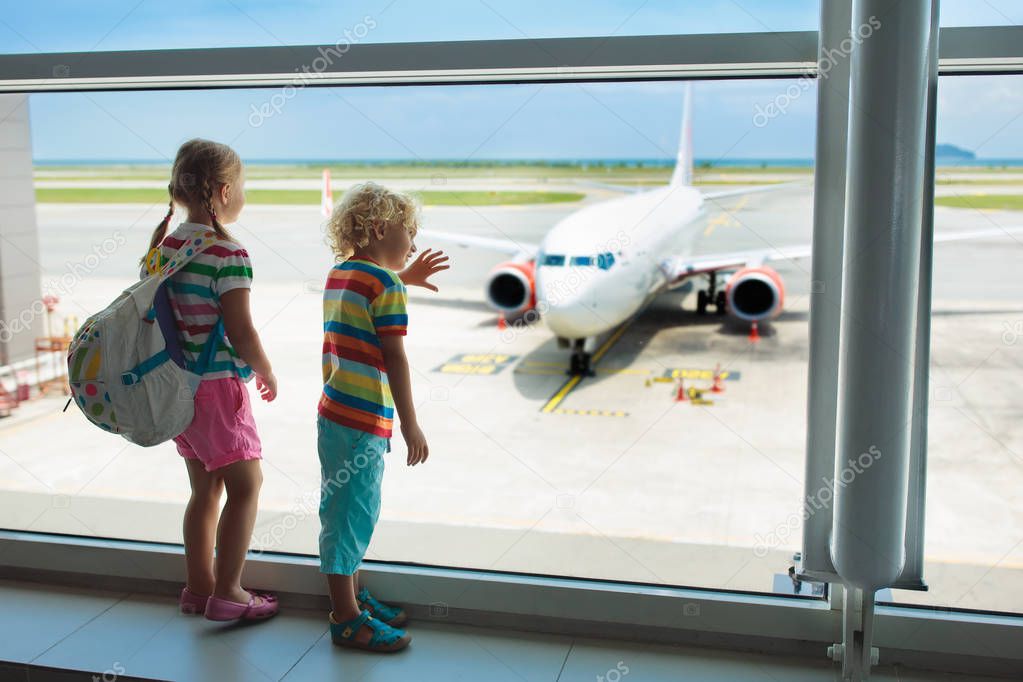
(774, 187)
(635, 189)
(513, 248)
(678, 268)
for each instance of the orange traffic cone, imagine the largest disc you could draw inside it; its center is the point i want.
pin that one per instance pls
(680, 395)
(501, 323)
(754, 333)
(719, 385)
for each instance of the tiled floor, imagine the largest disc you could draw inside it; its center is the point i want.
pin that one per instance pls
(118, 636)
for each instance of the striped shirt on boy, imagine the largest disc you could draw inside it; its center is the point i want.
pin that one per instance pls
(362, 301)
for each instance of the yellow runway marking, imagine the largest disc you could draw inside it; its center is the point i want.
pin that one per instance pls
(540, 372)
(725, 218)
(553, 403)
(624, 370)
(562, 392)
(475, 363)
(553, 368)
(602, 351)
(702, 374)
(592, 413)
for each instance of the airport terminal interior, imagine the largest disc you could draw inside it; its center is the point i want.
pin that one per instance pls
(722, 382)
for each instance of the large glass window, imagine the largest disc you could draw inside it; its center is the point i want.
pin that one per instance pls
(679, 462)
(974, 535)
(987, 13)
(618, 479)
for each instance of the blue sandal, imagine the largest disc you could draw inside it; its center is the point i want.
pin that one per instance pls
(384, 639)
(392, 615)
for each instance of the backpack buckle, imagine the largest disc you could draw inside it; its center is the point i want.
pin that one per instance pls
(129, 378)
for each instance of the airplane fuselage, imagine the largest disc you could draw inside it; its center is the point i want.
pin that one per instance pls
(600, 265)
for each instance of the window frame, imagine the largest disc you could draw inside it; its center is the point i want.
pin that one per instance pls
(911, 635)
(964, 50)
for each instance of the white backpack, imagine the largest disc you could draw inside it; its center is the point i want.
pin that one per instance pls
(125, 366)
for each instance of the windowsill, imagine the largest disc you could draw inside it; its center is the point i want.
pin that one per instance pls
(923, 638)
(69, 633)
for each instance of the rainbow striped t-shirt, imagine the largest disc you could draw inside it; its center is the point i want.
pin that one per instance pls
(194, 293)
(362, 301)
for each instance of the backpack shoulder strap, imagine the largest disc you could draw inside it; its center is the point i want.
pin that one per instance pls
(199, 242)
(209, 351)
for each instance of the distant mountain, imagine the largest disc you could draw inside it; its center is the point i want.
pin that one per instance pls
(950, 151)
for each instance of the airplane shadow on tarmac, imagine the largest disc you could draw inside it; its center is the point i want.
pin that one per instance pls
(664, 315)
(539, 372)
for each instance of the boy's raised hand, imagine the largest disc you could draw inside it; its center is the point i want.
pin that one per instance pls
(428, 263)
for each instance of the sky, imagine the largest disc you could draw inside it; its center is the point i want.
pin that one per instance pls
(554, 121)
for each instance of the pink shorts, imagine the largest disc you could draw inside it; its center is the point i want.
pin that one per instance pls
(223, 431)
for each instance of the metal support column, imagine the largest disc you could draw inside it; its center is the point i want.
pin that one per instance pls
(880, 290)
(826, 285)
(889, 79)
(856, 654)
(913, 572)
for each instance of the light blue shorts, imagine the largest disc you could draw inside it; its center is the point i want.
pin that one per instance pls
(351, 471)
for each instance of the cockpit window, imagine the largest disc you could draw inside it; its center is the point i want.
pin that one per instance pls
(604, 261)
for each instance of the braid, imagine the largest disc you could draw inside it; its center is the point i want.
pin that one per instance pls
(207, 203)
(161, 230)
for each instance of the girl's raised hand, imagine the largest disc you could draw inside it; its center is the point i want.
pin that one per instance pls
(428, 264)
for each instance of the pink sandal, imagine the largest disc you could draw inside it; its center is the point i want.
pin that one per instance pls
(191, 603)
(222, 609)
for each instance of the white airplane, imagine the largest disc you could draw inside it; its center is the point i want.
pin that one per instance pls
(598, 267)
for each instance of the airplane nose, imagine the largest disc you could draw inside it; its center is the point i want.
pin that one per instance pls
(576, 322)
(568, 306)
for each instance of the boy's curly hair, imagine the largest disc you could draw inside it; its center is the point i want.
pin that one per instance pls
(362, 207)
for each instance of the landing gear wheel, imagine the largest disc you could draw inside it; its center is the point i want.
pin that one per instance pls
(702, 299)
(719, 303)
(580, 365)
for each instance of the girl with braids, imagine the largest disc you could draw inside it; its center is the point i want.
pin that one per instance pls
(221, 446)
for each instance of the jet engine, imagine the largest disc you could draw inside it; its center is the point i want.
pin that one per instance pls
(755, 294)
(511, 287)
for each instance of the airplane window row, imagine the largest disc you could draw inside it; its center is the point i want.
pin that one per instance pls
(604, 261)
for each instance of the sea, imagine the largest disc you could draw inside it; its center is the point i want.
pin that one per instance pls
(584, 163)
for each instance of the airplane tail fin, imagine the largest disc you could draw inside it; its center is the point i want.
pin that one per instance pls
(326, 195)
(683, 174)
